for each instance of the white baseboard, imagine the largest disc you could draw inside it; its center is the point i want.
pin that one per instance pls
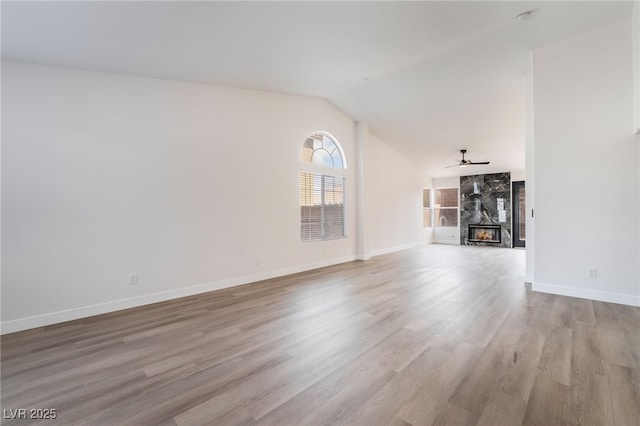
(602, 296)
(35, 321)
(397, 248)
(451, 242)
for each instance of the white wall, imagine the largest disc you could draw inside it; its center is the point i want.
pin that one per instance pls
(530, 180)
(586, 167)
(635, 54)
(518, 175)
(193, 187)
(393, 190)
(635, 20)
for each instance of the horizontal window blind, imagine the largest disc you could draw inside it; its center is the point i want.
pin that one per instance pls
(321, 206)
(333, 206)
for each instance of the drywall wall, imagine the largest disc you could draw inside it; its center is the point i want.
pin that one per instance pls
(530, 180)
(193, 187)
(518, 175)
(393, 194)
(635, 45)
(635, 55)
(361, 142)
(586, 167)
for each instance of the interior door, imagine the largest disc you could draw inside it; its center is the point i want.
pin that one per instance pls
(519, 210)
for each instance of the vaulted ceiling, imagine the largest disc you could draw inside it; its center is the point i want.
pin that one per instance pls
(429, 77)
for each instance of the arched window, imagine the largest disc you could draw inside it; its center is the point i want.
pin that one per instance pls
(322, 195)
(321, 149)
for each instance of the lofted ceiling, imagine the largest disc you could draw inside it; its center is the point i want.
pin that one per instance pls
(429, 77)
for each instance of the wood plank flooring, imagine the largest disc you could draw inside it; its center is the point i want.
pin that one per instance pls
(441, 335)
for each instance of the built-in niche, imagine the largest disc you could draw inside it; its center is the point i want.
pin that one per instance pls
(485, 210)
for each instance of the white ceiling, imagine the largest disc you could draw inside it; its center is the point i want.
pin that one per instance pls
(428, 77)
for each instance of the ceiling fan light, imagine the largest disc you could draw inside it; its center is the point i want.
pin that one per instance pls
(464, 162)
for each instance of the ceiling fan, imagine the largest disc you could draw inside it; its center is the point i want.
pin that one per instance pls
(465, 163)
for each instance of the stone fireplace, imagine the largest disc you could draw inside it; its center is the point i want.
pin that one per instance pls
(485, 210)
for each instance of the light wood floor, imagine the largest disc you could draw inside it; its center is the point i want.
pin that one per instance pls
(435, 335)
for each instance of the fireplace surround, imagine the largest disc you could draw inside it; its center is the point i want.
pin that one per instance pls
(485, 210)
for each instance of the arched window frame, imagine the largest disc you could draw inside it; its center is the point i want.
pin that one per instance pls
(340, 153)
(323, 220)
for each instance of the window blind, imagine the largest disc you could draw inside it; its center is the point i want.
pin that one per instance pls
(321, 206)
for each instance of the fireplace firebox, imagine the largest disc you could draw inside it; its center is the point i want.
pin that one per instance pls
(484, 234)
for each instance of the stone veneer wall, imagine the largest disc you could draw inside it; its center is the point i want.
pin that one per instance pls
(480, 203)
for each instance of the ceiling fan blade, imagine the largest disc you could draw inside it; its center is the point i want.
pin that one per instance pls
(464, 162)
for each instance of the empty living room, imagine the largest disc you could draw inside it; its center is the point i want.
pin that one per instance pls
(320, 213)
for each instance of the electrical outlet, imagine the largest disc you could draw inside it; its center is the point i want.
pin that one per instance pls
(591, 272)
(133, 278)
